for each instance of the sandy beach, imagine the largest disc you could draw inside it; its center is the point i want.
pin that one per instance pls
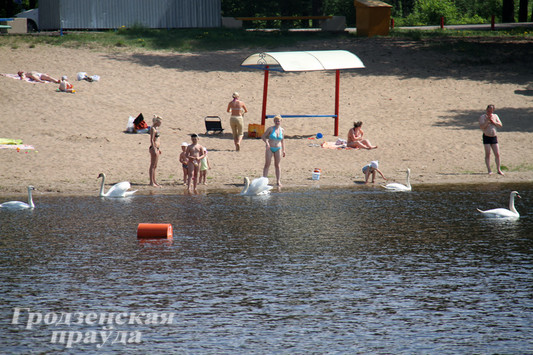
(420, 106)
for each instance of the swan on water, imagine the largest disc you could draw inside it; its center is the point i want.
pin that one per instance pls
(400, 187)
(120, 189)
(258, 186)
(503, 212)
(19, 205)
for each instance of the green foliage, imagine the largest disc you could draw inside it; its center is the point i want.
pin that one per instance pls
(473, 49)
(179, 40)
(429, 12)
(253, 8)
(341, 8)
(8, 8)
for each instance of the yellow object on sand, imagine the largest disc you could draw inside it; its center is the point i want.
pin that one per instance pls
(10, 141)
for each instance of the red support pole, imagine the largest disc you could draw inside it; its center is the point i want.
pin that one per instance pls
(492, 20)
(265, 93)
(442, 23)
(337, 84)
(391, 23)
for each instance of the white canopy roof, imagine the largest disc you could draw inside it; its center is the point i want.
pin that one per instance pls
(303, 61)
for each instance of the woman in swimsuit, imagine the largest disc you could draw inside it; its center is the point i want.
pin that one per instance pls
(355, 137)
(154, 149)
(275, 146)
(35, 76)
(236, 121)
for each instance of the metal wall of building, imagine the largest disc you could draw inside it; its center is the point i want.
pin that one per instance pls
(109, 14)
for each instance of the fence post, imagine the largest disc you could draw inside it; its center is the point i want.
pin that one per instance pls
(442, 22)
(492, 22)
(391, 23)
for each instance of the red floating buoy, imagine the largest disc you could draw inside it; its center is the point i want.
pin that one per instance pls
(154, 231)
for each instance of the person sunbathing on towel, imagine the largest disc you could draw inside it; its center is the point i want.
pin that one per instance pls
(355, 137)
(38, 77)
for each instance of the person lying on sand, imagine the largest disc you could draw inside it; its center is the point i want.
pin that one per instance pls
(36, 76)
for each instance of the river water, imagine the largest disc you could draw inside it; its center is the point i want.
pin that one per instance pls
(357, 270)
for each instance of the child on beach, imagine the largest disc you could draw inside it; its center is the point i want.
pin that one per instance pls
(370, 169)
(204, 165)
(195, 153)
(184, 162)
(65, 86)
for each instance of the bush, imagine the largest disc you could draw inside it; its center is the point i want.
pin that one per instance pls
(429, 12)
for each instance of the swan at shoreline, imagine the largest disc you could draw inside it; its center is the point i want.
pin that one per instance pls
(117, 190)
(504, 212)
(400, 187)
(257, 187)
(19, 205)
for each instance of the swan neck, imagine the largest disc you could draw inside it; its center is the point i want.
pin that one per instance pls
(511, 204)
(30, 199)
(246, 186)
(102, 186)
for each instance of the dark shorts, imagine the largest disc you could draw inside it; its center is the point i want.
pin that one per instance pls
(490, 140)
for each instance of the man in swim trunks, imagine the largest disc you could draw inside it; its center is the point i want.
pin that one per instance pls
(195, 152)
(488, 123)
(236, 121)
(275, 146)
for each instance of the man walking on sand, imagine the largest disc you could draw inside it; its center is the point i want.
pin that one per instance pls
(488, 123)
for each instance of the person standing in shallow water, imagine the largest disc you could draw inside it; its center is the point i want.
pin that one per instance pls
(155, 152)
(489, 122)
(275, 146)
(195, 153)
(236, 121)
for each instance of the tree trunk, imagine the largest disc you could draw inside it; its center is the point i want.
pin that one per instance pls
(522, 11)
(508, 11)
(316, 10)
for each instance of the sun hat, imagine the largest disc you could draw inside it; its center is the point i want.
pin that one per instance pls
(184, 144)
(64, 77)
(374, 164)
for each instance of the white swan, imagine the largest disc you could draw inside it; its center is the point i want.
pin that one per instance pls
(120, 189)
(504, 212)
(19, 205)
(400, 187)
(258, 186)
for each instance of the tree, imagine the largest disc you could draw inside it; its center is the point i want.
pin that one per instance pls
(508, 11)
(317, 10)
(522, 11)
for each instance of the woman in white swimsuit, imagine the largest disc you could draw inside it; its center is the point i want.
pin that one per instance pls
(38, 77)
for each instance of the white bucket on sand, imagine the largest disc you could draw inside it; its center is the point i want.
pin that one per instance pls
(316, 175)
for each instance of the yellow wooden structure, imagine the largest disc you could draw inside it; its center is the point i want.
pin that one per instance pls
(372, 17)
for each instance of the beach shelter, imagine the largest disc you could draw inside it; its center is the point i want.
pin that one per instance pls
(303, 61)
